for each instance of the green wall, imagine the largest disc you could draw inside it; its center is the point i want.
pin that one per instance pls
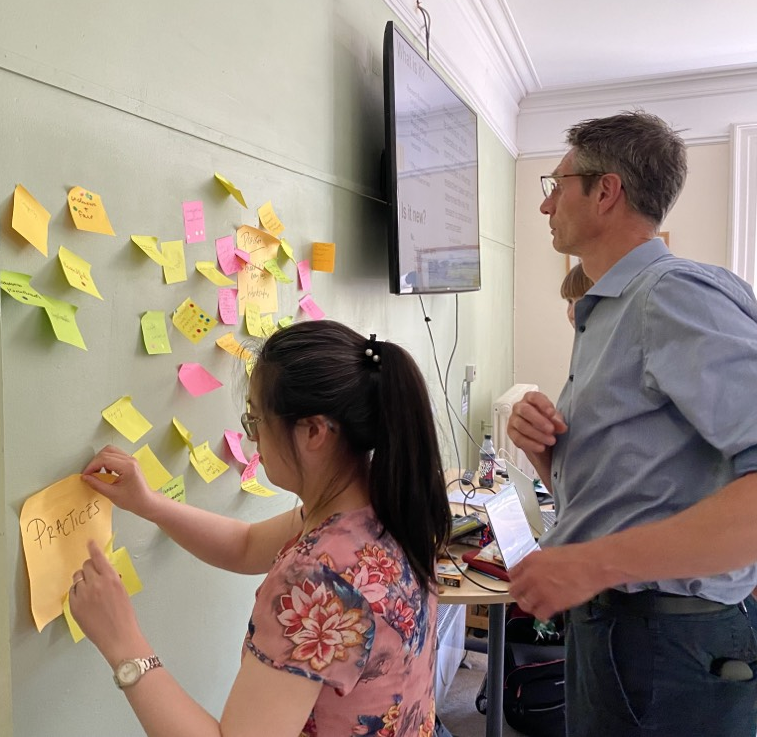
(142, 102)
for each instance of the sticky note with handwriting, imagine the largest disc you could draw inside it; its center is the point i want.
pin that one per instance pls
(192, 321)
(175, 490)
(206, 462)
(269, 220)
(175, 267)
(62, 316)
(18, 286)
(154, 332)
(78, 272)
(194, 221)
(309, 306)
(88, 212)
(226, 255)
(30, 220)
(149, 246)
(323, 257)
(127, 419)
(227, 306)
(233, 347)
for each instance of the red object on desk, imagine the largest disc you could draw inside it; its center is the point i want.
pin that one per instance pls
(484, 566)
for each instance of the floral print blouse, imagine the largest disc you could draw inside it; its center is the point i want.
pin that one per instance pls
(342, 606)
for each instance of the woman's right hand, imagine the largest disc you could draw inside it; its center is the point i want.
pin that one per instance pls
(129, 490)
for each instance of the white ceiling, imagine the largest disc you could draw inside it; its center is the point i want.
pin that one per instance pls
(591, 41)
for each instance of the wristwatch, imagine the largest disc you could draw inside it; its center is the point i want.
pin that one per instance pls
(128, 672)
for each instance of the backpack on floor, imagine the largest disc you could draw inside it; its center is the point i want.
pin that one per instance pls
(534, 693)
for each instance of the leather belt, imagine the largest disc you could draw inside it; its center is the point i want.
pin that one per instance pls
(650, 602)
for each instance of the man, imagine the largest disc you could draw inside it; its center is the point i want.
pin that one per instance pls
(650, 453)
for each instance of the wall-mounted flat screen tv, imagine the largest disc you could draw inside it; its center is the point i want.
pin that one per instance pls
(431, 172)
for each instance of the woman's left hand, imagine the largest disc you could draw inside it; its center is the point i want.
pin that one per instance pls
(102, 608)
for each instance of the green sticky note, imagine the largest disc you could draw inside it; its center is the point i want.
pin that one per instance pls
(272, 267)
(18, 286)
(63, 319)
(154, 332)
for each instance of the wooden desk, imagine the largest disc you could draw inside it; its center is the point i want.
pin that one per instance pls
(497, 599)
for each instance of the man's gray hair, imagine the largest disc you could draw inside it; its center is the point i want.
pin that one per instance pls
(642, 149)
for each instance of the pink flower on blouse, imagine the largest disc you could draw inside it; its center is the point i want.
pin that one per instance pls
(316, 622)
(402, 617)
(376, 560)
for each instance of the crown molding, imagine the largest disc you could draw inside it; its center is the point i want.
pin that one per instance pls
(743, 201)
(478, 47)
(702, 105)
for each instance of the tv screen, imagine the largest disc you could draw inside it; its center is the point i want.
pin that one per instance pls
(431, 162)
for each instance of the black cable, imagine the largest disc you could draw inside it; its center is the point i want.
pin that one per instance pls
(448, 404)
(426, 25)
(467, 577)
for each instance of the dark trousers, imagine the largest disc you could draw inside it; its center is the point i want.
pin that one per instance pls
(632, 674)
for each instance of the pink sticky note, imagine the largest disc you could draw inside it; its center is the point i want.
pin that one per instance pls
(197, 380)
(227, 305)
(303, 269)
(227, 259)
(311, 308)
(194, 221)
(252, 468)
(234, 441)
(243, 255)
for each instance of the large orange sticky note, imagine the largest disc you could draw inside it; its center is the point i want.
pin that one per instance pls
(30, 219)
(323, 257)
(56, 524)
(88, 212)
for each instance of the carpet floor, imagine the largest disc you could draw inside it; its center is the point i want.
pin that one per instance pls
(458, 711)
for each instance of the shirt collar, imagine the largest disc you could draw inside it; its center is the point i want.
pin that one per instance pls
(634, 262)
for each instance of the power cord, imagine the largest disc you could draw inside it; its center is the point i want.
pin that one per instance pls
(426, 25)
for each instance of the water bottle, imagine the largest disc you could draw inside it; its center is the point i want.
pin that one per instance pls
(486, 463)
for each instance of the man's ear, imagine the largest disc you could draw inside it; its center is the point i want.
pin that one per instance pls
(609, 191)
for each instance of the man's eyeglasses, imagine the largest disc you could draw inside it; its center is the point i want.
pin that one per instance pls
(250, 425)
(549, 183)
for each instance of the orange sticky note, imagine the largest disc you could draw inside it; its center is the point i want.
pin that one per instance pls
(323, 257)
(30, 219)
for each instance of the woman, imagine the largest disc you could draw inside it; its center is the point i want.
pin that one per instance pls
(573, 287)
(342, 634)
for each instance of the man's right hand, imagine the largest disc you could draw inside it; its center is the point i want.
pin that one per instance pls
(535, 424)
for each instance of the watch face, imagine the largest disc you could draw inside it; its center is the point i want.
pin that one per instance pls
(128, 672)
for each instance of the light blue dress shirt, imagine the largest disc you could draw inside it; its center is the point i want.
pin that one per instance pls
(661, 403)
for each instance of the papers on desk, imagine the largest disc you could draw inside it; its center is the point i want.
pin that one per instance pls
(475, 499)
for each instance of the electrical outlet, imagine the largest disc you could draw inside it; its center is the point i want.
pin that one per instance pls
(470, 372)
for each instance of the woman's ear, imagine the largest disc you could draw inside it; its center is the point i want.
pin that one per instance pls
(318, 430)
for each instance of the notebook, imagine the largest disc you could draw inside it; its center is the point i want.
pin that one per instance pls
(540, 520)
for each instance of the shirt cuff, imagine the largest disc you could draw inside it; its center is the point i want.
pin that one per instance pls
(745, 462)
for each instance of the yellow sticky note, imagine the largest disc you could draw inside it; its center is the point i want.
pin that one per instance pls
(288, 250)
(252, 320)
(149, 244)
(231, 189)
(77, 272)
(192, 321)
(186, 436)
(231, 345)
(254, 283)
(273, 268)
(30, 219)
(253, 486)
(154, 332)
(269, 220)
(127, 419)
(63, 319)
(18, 286)
(121, 561)
(209, 271)
(285, 322)
(175, 267)
(56, 524)
(206, 462)
(267, 325)
(88, 211)
(175, 490)
(323, 257)
(155, 472)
